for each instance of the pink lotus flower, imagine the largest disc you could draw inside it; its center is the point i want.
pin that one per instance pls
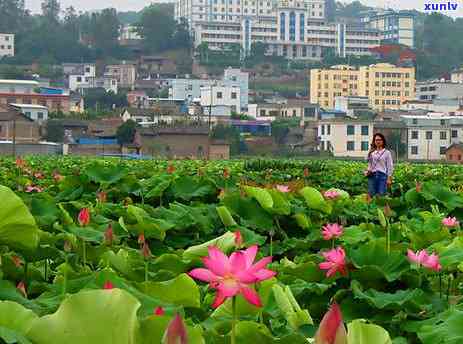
(108, 285)
(233, 275)
(450, 222)
(159, 311)
(170, 169)
(31, 188)
(84, 217)
(335, 261)
(22, 288)
(332, 231)
(331, 194)
(175, 332)
(238, 239)
(20, 163)
(38, 175)
(421, 258)
(331, 329)
(109, 235)
(226, 173)
(145, 250)
(141, 238)
(283, 188)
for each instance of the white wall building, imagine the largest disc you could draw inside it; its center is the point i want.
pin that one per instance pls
(430, 90)
(429, 136)
(291, 28)
(6, 44)
(128, 33)
(86, 78)
(37, 113)
(344, 137)
(222, 96)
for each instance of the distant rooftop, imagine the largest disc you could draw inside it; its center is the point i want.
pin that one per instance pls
(24, 82)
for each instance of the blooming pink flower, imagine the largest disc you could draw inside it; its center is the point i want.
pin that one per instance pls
(159, 311)
(432, 262)
(108, 285)
(109, 235)
(332, 230)
(421, 258)
(238, 239)
(450, 222)
(175, 332)
(335, 261)
(38, 175)
(31, 188)
(20, 163)
(57, 177)
(283, 188)
(22, 288)
(331, 329)
(331, 194)
(84, 217)
(233, 275)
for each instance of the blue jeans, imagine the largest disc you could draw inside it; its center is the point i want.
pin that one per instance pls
(377, 184)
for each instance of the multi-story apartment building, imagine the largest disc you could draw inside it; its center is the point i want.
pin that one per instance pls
(6, 44)
(394, 27)
(124, 73)
(337, 81)
(429, 136)
(385, 85)
(29, 92)
(295, 29)
(221, 96)
(190, 89)
(83, 76)
(430, 90)
(345, 137)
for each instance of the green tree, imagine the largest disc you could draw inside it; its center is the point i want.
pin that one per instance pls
(280, 128)
(156, 28)
(50, 11)
(12, 16)
(54, 130)
(105, 30)
(99, 99)
(181, 37)
(229, 134)
(126, 132)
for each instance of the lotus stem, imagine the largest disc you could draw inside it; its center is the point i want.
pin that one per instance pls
(46, 270)
(65, 274)
(332, 244)
(26, 266)
(440, 285)
(233, 332)
(388, 240)
(84, 252)
(146, 270)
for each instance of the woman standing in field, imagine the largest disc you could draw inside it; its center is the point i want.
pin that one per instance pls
(380, 166)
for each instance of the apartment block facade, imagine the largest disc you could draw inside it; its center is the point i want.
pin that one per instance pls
(431, 90)
(294, 29)
(345, 137)
(430, 136)
(6, 44)
(385, 85)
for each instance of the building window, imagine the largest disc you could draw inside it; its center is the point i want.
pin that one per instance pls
(443, 135)
(28, 113)
(459, 155)
(364, 130)
(365, 146)
(429, 135)
(79, 79)
(350, 130)
(350, 145)
(323, 129)
(414, 121)
(294, 113)
(454, 134)
(219, 95)
(328, 129)
(442, 150)
(262, 112)
(39, 115)
(414, 135)
(233, 95)
(442, 122)
(414, 150)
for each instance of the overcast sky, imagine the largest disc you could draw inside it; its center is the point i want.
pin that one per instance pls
(126, 5)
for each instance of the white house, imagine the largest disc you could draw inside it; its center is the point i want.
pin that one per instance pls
(6, 44)
(37, 113)
(221, 96)
(429, 136)
(345, 137)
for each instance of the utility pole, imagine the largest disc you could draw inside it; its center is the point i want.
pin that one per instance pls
(14, 136)
(210, 109)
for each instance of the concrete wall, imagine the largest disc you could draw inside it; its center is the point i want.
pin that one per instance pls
(30, 149)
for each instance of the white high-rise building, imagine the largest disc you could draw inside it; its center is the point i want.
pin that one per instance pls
(295, 29)
(6, 44)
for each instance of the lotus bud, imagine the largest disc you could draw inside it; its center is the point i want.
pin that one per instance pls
(22, 288)
(331, 329)
(175, 332)
(84, 217)
(159, 311)
(108, 285)
(109, 235)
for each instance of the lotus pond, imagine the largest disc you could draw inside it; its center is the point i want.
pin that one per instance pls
(257, 251)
